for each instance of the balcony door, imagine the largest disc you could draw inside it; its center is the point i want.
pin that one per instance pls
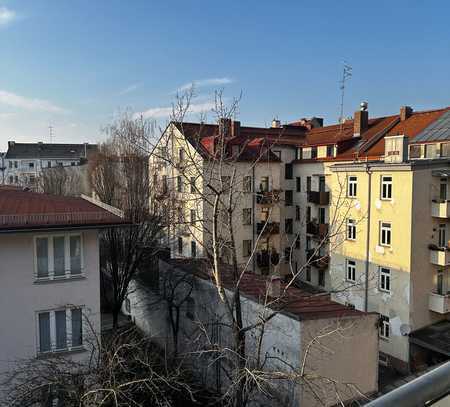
(442, 285)
(442, 235)
(443, 190)
(321, 183)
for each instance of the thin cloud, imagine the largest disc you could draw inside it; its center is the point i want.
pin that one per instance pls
(161, 112)
(6, 16)
(129, 89)
(21, 102)
(203, 83)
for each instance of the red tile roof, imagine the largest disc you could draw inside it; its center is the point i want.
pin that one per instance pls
(20, 210)
(300, 303)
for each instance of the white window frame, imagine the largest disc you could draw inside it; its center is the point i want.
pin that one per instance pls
(351, 223)
(51, 265)
(69, 347)
(350, 270)
(386, 188)
(385, 229)
(385, 327)
(384, 279)
(352, 186)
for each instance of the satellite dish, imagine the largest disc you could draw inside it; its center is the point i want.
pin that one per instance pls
(378, 204)
(405, 329)
(357, 205)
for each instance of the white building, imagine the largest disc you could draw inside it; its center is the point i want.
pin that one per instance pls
(23, 162)
(49, 275)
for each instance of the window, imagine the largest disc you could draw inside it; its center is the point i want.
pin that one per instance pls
(288, 197)
(288, 171)
(16, 164)
(442, 242)
(73, 163)
(193, 248)
(298, 153)
(385, 234)
(49, 164)
(351, 271)
(180, 245)
(445, 149)
(322, 215)
(384, 327)
(443, 190)
(415, 151)
(322, 278)
(264, 186)
(32, 179)
(330, 151)
(60, 330)
(10, 164)
(193, 216)
(179, 184)
(430, 151)
(321, 183)
(247, 183)
(297, 212)
(181, 155)
(352, 183)
(308, 273)
(192, 183)
(314, 152)
(11, 179)
(351, 229)
(308, 214)
(246, 248)
(385, 279)
(288, 226)
(386, 187)
(298, 184)
(58, 256)
(30, 165)
(247, 216)
(308, 184)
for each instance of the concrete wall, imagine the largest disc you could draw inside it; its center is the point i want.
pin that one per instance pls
(21, 297)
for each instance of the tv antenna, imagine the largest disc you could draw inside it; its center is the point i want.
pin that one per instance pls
(346, 75)
(50, 129)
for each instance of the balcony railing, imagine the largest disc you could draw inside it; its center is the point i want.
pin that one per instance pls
(271, 228)
(318, 230)
(440, 256)
(319, 197)
(439, 303)
(440, 209)
(316, 259)
(268, 197)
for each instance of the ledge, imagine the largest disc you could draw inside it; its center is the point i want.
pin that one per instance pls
(42, 280)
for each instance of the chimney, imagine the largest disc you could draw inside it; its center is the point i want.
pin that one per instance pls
(11, 143)
(235, 129)
(405, 112)
(361, 120)
(316, 122)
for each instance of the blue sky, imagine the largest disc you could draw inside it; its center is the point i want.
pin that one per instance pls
(75, 64)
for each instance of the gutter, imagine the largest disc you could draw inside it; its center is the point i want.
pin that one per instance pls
(366, 273)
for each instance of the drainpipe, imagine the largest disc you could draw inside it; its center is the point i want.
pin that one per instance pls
(366, 282)
(253, 216)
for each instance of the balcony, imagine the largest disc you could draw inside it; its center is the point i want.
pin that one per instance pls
(319, 197)
(440, 209)
(317, 260)
(318, 230)
(271, 228)
(439, 303)
(439, 256)
(268, 198)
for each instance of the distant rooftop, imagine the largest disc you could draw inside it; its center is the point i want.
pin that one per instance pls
(49, 150)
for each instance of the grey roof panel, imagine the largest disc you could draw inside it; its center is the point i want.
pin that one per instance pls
(48, 151)
(437, 131)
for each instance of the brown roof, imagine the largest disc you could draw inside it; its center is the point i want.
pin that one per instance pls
(22, 210)
(300, 303)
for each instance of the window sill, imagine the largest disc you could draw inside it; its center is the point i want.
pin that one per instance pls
(61, 352)
(49, 280)
(384, 291)
(383, 338)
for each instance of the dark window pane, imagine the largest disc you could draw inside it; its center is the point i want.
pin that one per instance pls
(44, 332)
(58, 255)
(77, 327)
(61, 336)
(75, 254)
(42, 257)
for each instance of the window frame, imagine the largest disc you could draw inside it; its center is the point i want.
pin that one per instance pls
(298, 184)
(350, 223)
(352, 186)
(389, 188)
(385, 327)
(288, 171)
(50, 257)
(247, 184)
(350, 268)
(384, 279)
(386, 229)
(249, 251)
(52, 330)
(246, 216)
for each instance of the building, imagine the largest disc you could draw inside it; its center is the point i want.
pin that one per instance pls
(49, 275)
(305, 198)
(288, 340)
(24, 162)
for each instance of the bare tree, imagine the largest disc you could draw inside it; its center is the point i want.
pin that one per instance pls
(120, 178)
(69, 181)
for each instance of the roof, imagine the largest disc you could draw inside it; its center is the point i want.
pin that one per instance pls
(25, 210)
(435, 337)
(438, 130)
(48, 151)
(299, 303)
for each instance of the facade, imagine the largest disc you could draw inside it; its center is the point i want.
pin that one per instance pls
(287, 341)
(49, 275)
(24, 162)
(319, 191)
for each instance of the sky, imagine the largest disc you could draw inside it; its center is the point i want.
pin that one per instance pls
(77, 65)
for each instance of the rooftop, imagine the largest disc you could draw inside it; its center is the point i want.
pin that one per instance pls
(49, 150)
(25, 210)
(300, 303)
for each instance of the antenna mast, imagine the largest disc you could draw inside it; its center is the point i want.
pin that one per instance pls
(50, 128)
(346, 74)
